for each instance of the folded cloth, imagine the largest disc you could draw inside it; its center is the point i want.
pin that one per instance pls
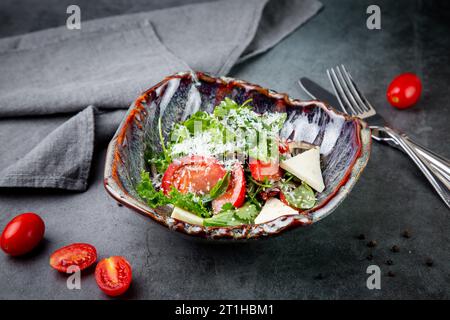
(107, 64)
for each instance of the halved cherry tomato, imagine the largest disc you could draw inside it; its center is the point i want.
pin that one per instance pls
(82, 255)
(196, 174)
(265, 170)
(283, 199)
(113, 275)
(22, 234)
(235, 193)
(283, 146)
(404, 91)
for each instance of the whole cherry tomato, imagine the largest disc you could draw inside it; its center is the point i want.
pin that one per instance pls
(22, 234)
(404, 91)
(113, 275)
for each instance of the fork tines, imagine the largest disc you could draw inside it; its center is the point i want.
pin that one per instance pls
(349, 96)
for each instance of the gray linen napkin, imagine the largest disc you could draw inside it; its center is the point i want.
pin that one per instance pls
(108, 63)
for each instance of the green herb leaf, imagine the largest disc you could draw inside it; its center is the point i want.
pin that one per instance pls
(199, 120)
(227, 206)
(189, 202)
(219, 188)
(301, 197)
(247, 212)
(253, 189)
(179, 133)
(160, 162)
(229, 216)
(153, 198)
(223, 219)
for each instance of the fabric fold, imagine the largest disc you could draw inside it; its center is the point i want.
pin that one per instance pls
(61, 160)
(110, 62)
(106, 70)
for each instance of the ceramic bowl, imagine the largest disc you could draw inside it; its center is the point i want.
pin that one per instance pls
(344, 143)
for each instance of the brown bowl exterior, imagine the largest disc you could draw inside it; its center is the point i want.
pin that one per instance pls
(344, 142)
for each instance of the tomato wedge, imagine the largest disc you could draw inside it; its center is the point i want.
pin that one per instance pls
(82, 255)
(195, 174)
(235, 193)
(265, 170)
(22, 234)
(113, 275)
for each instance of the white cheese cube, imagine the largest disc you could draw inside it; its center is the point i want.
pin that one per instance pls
(273, 209)
(306, 167)
(186, 216)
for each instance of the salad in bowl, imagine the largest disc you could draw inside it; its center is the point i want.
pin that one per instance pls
(231, 167)
(218, 157)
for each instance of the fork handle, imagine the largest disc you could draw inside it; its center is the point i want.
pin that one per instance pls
(434, 167)
(436, 163)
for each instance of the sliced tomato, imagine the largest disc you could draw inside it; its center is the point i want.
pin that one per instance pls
(113, 275)
(235, 193)
(82, 255)
(265, 170)
(195, 174)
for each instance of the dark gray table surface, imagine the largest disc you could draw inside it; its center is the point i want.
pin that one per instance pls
(391, 195)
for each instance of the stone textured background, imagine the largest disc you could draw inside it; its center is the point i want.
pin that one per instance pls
(324, 261)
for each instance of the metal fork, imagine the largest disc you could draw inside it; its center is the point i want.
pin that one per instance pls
(435, 168)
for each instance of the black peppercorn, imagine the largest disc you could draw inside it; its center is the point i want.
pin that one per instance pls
(320, 276)
(406, 234)
(372, 244)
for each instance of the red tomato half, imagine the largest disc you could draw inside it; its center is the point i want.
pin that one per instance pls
(283, 199)
(283, 146)
(196, 174)
(113, 275)
(404, 91)
(22, 234)
(235, 193)
(265, 170)
(81, 255)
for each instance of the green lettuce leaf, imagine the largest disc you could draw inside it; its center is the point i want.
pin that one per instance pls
(149, 194)
(154, 199)
(189, 202)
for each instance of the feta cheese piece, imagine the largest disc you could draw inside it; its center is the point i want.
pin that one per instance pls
(306, 167)
(186, 216)
(273, 209)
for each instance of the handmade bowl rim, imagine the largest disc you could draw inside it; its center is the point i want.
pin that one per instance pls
(113, 185)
